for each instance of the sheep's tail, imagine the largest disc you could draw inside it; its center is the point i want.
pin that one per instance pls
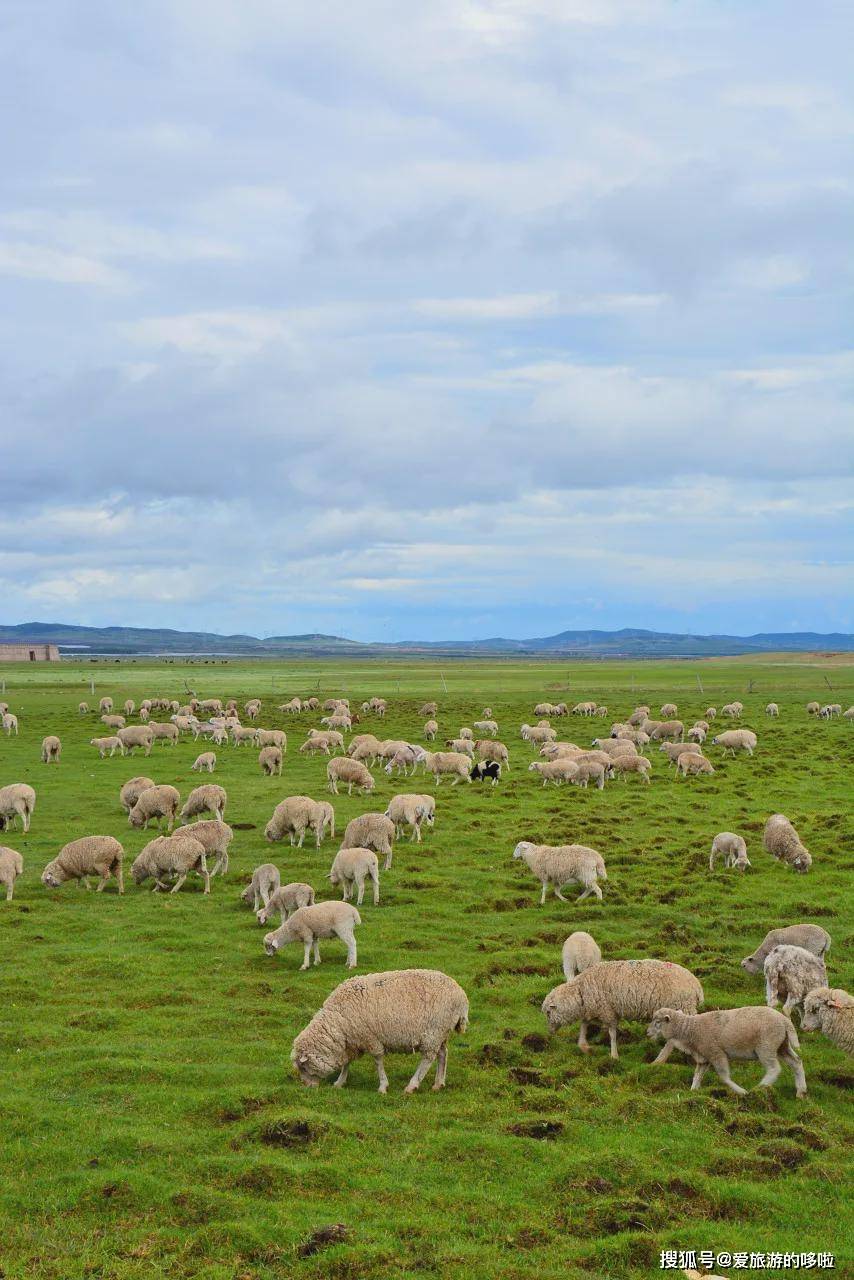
(463, 1021)
(357, 919)
(793, 1044)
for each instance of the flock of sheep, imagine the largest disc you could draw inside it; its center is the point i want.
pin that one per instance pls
(417, 1010)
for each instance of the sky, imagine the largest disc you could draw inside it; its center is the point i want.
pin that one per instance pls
(443, 321)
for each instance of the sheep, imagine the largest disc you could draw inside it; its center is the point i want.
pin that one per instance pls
(538, 734)
(370, 831)
(485, 771)
(668, 729)
(696, 734)
(309, 924)
(557, 771)
(466, 732)
(673, 750)
(51, 749)
(792, 972)
(270, 760)
(337, 722)
(428, 709)
(557, 865)
(175, 855)
(287, 899)
(488, 728)
(736, 740)
(462, 746)
(832, 709)
(713, 1039)
(208, 798)
(431, 728)
(811, 937)
(638, 716)
(292, 708)
(351, 868)
(692, 763)
(848, 715)
(626, 764)
(668, 710)
(266, 879)
(732, 709)
(587, 771)
(615, 989)
(9, 723)
(403, 759)
(327, 819)
(402, 1011)
(136, 735)
(106, 704)
(580, 951)
(351, 772)
(831, 1010)
(239, 735)
(253, 708)
(216, 836)
(272, 738)
(83, 708)
(155, 803)
(205, 763)
(813, 708)
(584, 709)
(364, 746)
(732, 847)
(132, 790)
(110, 744)
(782, 841)
(292, 817)
(185, 724)
(114, 722)
(543, 709)
(448, 762)
(11, 866)
(556, 750)
(487, 713)
(615, 746)
(711, 713)
(90, 855)
(315, 745)
(129, 707)
(165, 732)
(772, 709)
(411, 810)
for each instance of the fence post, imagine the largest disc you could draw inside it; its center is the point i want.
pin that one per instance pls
(442, 677)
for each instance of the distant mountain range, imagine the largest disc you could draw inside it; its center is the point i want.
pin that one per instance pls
(629, 642)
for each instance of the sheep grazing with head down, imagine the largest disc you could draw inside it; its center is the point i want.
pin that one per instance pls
(174, 856)
(310, 924)
(83, 708)
(205, 799)
(287, 899)
(489, 749)
(782, 841)
(713, 1039)
(809, 936)
(580, 951)
(205, 763)
(17, 800)
(736, 740)
(688, 763)
(613, 990)
(266, 879)
(667, 730)
(626, 764)
(51, 749)
(403, 1011)
(831, 1010)
(90, 855)
(772, 710)
(216, 836)
(292, 817)
(270, 760)
(411, 810)
(11, 866)
(351, 868)
(791, 973)
(153, 804)
(351, 773)
(132, 790)
(370, 831)
(451, 763)
(558, 865)
(732, 848)
(556, 771)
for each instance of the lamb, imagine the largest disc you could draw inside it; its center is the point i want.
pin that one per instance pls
(615, 989)
(462, 746)
(813, 708)
(792, 972)
(428, 709)
(292, 708)
(448, 762)
(404, 759)
(287, 899)
(110, 744)
(114, 722)
(91, 855)
(736, 740)
(557, 771)
(831, 1010)
(711, 713)
(411, 810)
(11, 866)
(580, 951)
(83, 708)
(431, 728)
(241, 734)
(205, 763)
(465, 732)
(351, 868)
(732, 847)
(557, 865)
(266, 879)
(488, 728)
(176, 855)
(136, 735)
(782, 841)
(132, 790)
(696, 734)
(489, 749)
(713, 1039)
(106, 704)
(310, 924)
(401, 1011)
(9, 723)
(587, 771)
(354, 774)
(155, 803)
(129, 707)
(673, 750)
(314, 745)
(688, 762)
(270, 760)
(292, 817)
(252, 708)
(272, 738)
(370, 831)
(772, 709)
(669, 710)
(216, 836)
(185, 724)
(208, 798)
(538, 734)
(51, 749)
(668, 729)
(811, 937)
(732, 709)
(626, 764)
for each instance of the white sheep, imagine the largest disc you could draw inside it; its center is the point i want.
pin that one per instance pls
(556, 771)
(270, 760)
(110, 744)
(292, 817)
(241, 734)
(626, 764)
(90, 855)
(669, 710)
(403, 1011)
(736, 740)
(352, 772)
(155, 803)
(175, 855)
(733, 849)
(587, 771)
(51, 749)
(782, 841)
(132, 790)
(11, 866)
(351, 868)
(106, 704)
(731, 709)
(452, 763)
(489, 749)
(208, 798)
(580, 951)
(431, 728)
(791, 973)
(215, 836)
(287, 899)
(809, 936)
(558, 865)
(667, 730)
(673, 750)
(411, 810)
(205, 763)
(266, 879)
(310, 924)
(17, 800)
(772, 710)
(370, 831)
(136, 735)
(272, 738)
(688, 763)
(487, 728)
(713, 1039)
(831, 1010)
(10, 723)
(83, 708)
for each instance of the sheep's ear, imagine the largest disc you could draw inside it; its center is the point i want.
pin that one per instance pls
(302, 1060)
(835, 1004)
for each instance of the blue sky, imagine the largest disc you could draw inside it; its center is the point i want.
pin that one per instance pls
(427, 321)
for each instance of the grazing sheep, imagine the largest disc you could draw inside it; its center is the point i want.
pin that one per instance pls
(205, 763)
(287, 899)
(736, 740)
(557, 771)
(615, 989)
(488, 728)
(791, 973)
(337, 722)
(83, 708)
(584, 709)
(270, 760)
(129, 707)
(638, 716)
(310, 924)
(266, 879)
(848, 715)
(626, 764)
(404, 759)
(711, 713)
(489, 749)
(813, 708)
(11, 866)
(453, 763)
(272, 738)
(241, 734)
(485, 771)
(673, 750)
(292, 817)
(343, 769)
(106, 704)
(462, 746)
(9, 723)
(695, 734)
(155, 803)
(51, 750)
(208, 798)
(216, 836)
(669, 710)
(809, 936)
(615, 746)
(587, 771)
(365, 746)
(580, 951)
(558, 865)
(17, 800)
(351, 868)
(782, 841)
(411, 810)
(292, 708)
(831, 1010)
(114, 722)
(132, 790)
(713, 1039)
(732, 709)
(91, 855)
(555, 750)
(402, 1011)
(175, 855)
(136, 735)
(538, 734)
(110, 744)
(772, 709)
(465, 732)
(688, 762)
(830, 710)
(671, 730)
(370, 831)
(316, 744)
(428, 709)
(431, 728)
(732, 847)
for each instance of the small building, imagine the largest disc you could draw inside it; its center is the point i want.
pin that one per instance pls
(29, 653)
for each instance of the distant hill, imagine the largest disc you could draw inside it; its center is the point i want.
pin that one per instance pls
(629, 642)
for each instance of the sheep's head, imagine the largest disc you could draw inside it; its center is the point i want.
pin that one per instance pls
(135, 818)
(802, 862)
(313, 1062)
(562, 1005)
(270, 833)
(262, 915)
(661, 1026)
(752, 964)
(51, 876)
(271, 943)
(522, 848)
(139, 872)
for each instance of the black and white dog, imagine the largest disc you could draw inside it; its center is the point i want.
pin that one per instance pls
(486, 771)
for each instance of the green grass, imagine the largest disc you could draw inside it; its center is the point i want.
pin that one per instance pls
(152, 1125)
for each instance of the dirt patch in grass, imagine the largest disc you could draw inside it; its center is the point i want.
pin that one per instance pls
(535, 1042)
(323, 1238)
(290, 1133)
(544, 1130)
(788, 1154)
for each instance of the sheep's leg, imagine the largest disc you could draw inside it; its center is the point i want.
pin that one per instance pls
(772, 1068)
(342, 1077)
(206, 876)
(8, 892)
(361, 894)
(317, 951)
(350, 942)
(105, 875)
(582, 1038)
(441, 1067)
(791, 1003)
(376, 884)
(387, 862)
(665, 1053)
(420, 1072)
(558, 894)
(700, 1070)
(721, 1066)
(383, 1078)
(306, 959)
(85, 880)
(301, 838)
(543, 894)
(586, 894)
(792, 1060)
(612, 1036)
(179, 882)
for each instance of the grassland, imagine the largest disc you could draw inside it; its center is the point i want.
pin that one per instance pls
(151, 1125)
